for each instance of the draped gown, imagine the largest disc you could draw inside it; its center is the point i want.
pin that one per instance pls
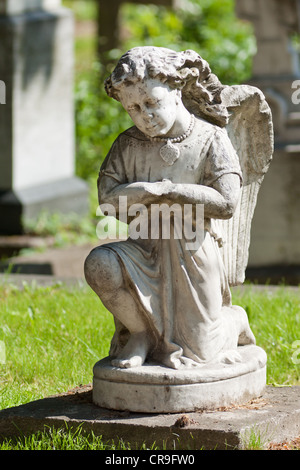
(183, 294)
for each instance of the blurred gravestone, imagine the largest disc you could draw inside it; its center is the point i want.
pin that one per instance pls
(276, 72)
(37, 120)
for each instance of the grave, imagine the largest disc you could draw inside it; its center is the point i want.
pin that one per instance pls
(37, 164)
(273, 415)
(276, 72)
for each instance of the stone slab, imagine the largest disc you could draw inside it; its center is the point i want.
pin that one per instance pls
(65, 195)
(156, 389)
(274, 417)
(37, 122)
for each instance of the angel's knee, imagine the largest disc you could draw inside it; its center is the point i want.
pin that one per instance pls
(103, 271)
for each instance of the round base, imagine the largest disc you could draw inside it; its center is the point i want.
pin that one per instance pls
(156, 389)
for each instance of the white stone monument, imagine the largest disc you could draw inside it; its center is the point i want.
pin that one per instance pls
(180, 345)
(37, 160)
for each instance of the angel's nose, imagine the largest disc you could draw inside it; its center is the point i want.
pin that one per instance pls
(147, 112)
(148, 116)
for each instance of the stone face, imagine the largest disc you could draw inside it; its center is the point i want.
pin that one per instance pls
(169, 291)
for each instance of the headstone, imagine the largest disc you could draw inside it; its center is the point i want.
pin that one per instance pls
(13, 7)
(276, 72)
(37, 164)
(186, 177)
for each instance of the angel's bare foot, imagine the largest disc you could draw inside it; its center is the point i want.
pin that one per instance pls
(230, 357)
(245, 333)
(134, 353)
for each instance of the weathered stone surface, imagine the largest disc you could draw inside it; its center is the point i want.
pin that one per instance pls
(274, 417)
(37, 162)
(37, 122)
(156, 389)
(195, 143)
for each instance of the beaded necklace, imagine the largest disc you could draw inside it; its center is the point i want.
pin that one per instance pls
(170, 152)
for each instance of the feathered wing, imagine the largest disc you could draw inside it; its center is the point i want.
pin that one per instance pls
(250, 130)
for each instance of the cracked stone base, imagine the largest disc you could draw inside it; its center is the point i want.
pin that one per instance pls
(156, 389)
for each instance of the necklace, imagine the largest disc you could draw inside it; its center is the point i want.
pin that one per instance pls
(170, 152)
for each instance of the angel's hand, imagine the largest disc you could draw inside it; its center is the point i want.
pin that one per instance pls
(219, 201)
(160, 188)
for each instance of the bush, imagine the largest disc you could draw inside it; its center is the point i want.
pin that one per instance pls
(99, 120)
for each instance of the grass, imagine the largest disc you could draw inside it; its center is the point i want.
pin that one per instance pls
(54, 335)
(274, 316)
(50, 337)
(64, 439)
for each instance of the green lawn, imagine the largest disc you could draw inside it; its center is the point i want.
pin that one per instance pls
(274, 315)
(64, 439)
(52, 336)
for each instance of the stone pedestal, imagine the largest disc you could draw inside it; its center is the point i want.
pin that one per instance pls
(156, 389)
(37, 164)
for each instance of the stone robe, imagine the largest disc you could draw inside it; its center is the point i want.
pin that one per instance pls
(182, 294)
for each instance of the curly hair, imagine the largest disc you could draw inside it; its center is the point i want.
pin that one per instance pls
(187, 71)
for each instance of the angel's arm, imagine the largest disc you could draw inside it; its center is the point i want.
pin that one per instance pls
(219, 201)
(139, 192)
(221, 181)
(112, 182)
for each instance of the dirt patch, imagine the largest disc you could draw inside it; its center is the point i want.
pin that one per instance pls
(293, 445)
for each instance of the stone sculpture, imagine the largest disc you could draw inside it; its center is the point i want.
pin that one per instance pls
(195, 143)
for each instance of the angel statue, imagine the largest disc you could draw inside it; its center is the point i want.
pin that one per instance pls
(198, 142)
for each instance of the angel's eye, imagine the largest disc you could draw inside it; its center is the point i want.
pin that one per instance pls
(152, 104)
(135, 108)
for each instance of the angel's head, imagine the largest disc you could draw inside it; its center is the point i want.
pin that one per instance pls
(166, 80)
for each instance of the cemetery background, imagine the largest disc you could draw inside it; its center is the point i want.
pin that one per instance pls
(97, 124)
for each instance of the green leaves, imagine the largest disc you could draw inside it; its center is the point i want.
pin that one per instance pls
(53, 336)
(99, 121)
(209, 27)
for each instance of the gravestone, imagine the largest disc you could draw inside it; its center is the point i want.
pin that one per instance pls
(276, 72)
(37, 165)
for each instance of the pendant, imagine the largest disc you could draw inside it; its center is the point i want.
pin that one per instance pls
(169, 153)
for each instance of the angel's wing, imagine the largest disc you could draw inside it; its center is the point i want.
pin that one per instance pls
(250, 130)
